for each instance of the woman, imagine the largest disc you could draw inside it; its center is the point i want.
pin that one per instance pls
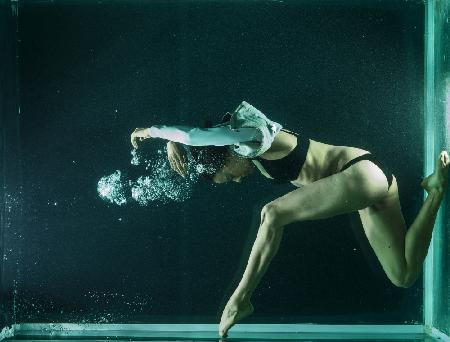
(333, 179)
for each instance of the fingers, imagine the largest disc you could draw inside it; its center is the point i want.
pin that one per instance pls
(134, 143)
(445, 158)
(172, 166)
(181, 168)
(178, 167)
(138, 134)
(133, 139)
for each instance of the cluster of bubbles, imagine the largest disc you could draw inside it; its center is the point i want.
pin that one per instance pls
(160, 183)
(111, 188)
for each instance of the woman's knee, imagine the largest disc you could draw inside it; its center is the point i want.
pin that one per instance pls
(369, 184)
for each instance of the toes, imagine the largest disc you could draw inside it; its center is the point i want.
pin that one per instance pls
(223, 333)
(444, 158)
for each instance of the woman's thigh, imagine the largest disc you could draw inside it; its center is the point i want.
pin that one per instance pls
(361, 185)
(385, 228)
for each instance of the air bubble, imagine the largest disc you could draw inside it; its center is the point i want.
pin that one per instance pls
(159, 183)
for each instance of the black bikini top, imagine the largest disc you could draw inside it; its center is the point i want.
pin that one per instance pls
(287, 168)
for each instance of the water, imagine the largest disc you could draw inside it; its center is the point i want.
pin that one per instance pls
(81, 215)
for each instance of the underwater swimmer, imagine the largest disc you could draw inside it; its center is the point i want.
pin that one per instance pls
(331, 180)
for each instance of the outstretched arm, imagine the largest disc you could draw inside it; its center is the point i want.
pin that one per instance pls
(217, 136)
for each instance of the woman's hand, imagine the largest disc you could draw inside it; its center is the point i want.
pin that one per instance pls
(177, 158)
(141, 134)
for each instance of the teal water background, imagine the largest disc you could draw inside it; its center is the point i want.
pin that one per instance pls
(90, 73)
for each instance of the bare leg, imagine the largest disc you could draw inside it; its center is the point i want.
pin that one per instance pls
(418, 237)
(264, 249)
(339, 193)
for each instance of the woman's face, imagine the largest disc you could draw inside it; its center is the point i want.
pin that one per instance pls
(234, 170)
(225, 175)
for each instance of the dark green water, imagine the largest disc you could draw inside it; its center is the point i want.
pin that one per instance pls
(88, 74)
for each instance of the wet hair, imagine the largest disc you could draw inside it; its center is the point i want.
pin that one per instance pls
(209, 159)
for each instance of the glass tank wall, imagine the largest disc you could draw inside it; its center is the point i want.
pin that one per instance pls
(94, 231)
(437, 296)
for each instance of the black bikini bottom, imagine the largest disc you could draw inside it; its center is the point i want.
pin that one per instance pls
(386, 169)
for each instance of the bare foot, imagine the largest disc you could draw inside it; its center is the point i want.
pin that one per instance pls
(438, 180)
(234, 312)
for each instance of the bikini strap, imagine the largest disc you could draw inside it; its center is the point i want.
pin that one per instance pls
(288, 131)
